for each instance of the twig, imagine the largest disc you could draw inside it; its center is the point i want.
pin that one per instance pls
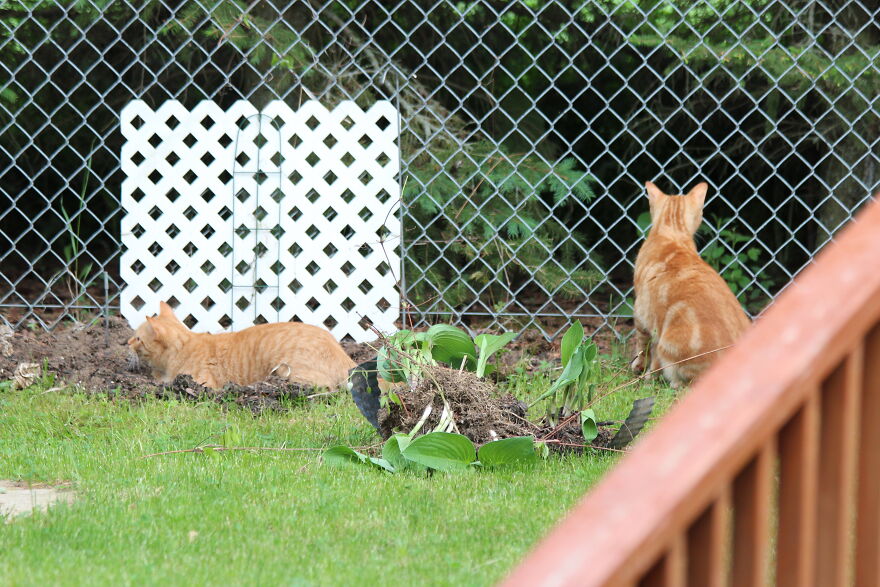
(649, 373)
(560, 443)
(322, 393)
(622, 385)
(219, 448)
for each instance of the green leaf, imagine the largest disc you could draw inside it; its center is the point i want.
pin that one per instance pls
(443, 451)
(542, 449)
(389, 362)
(488, 345)
(520, 449)
(569, 375)
(345, 456)
(644, 222)
(392, 451)
(382, 464)
(626, 308)
(588, 425)
(588, 352)
(450, 344)
(570, 341)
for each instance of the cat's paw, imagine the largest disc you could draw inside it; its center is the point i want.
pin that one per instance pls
(638, 364)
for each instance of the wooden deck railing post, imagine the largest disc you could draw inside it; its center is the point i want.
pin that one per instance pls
(837, 471)
(868, 520)
(751, 519)
(708, 540)
(798, 496)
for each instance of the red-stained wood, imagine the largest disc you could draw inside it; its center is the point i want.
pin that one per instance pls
(837, 469)
(669, 571)
(798, 496)
(708, 543)
(657, 491)
(868, 504)
(752, 491)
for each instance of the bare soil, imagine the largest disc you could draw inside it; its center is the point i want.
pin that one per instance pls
(98, 360)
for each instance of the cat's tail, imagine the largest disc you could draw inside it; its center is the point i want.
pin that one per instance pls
(364, 386)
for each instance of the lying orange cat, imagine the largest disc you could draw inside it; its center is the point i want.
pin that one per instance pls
(300, 352)
(681, 303)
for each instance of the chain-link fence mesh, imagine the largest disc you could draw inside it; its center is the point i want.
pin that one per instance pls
(528, 130)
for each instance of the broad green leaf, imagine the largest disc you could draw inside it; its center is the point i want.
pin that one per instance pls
(588, 352)
(488, 345)
(569, 375)
(389, 362)
(543, 449)
(401, 338)
(443, 451)
(520, 449)
(343, 456)
(382, 464)
(588, 425)
(571, 340)
(392, 451)
(450, 344)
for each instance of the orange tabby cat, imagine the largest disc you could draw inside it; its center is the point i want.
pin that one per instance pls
(681, 303)
(300, 352)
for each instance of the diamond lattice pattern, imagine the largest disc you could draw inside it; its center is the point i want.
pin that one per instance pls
(245, 216)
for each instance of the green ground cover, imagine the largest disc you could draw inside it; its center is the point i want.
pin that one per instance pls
(269, 517)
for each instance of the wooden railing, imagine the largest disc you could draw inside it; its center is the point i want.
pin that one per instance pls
(768, 470)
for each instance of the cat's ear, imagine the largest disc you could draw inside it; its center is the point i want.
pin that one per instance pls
(154, 330)
(698, 193)
(165, 310)
(167, 313)
(654, 192)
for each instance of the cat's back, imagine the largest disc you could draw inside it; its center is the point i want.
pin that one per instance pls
(681, 288)
(302, 352)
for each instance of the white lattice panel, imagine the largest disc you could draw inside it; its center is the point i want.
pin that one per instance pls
(245, 217)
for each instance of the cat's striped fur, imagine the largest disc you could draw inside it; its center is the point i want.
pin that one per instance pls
(682, 305)
(299, 352)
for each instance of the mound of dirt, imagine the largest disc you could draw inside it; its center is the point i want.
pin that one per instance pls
(479, 411)
(98, 360)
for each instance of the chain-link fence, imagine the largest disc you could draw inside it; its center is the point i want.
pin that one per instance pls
(527, 132)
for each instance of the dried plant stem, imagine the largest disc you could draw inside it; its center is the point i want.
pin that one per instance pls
(220, 448)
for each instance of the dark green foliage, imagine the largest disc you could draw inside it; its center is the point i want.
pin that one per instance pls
(759, 97)
(739, 261)
(497, 220)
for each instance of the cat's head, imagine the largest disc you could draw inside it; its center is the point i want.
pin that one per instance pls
(156, 339)
(676, 214)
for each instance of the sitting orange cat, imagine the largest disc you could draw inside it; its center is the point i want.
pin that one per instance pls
(300, 352)
(681, 302)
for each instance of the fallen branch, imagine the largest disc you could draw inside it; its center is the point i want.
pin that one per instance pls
(220, 448)
(626, 384)
(560, 443)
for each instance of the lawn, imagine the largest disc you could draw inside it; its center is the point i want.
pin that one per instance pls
(268, 517)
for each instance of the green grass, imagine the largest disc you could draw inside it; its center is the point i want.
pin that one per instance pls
(265, 517)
